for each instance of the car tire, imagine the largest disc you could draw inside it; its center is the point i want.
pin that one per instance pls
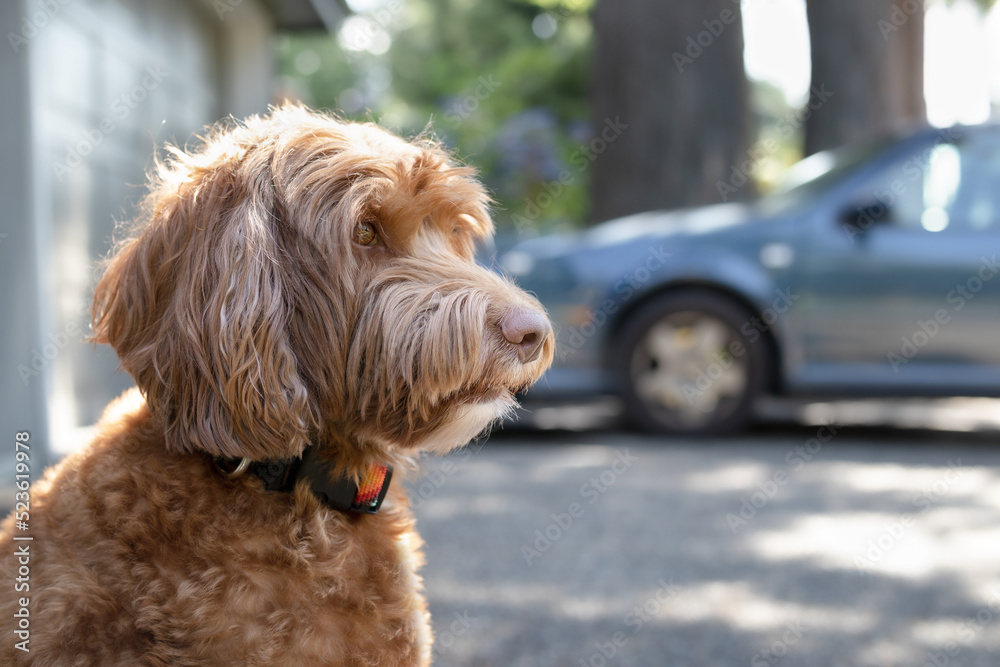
(691, 363)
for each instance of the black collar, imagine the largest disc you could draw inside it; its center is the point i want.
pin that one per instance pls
(337, 491)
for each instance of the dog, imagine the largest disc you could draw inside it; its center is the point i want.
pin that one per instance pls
(300, 307)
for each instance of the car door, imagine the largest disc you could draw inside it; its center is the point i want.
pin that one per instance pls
(903, 291)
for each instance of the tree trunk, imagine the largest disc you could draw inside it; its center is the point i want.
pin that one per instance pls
(867, 70)
(672, 72)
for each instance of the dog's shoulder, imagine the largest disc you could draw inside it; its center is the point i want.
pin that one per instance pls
(141, 551)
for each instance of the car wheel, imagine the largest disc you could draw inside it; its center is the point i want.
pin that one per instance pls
(685, 365)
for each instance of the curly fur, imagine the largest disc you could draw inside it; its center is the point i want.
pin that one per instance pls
(254, 324)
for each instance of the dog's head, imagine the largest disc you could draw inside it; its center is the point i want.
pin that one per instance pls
(297, 279)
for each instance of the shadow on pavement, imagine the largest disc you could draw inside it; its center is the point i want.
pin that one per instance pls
(868, 546)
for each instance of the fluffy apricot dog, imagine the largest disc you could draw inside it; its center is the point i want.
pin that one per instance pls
(301, 311)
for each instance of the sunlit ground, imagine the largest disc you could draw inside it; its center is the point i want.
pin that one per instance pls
(937, 414)
(876, 547)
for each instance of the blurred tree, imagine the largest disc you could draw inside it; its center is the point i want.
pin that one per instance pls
(504, 83)
(867, 69)
(670, 77)
(508, 84)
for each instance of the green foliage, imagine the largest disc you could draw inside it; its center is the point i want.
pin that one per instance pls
(984, 5)
(778, 132)
(503, 83)
(576, 6)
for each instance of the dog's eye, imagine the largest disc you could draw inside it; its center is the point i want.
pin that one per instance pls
(365, 234)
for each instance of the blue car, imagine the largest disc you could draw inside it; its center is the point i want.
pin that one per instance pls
(872, 272)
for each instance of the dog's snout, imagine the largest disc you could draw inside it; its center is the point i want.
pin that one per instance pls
(526, 330)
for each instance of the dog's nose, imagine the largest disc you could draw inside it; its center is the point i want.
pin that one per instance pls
(526, 330)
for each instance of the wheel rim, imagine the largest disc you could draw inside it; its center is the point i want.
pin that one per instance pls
(685, 372)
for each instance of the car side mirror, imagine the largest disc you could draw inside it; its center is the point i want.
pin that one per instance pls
(865, 216)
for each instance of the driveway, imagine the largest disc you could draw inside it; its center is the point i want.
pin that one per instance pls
(792, 546)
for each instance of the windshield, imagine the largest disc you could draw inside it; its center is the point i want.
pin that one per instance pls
(816, 173)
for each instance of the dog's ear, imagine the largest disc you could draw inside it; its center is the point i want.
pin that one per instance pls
(197, 307)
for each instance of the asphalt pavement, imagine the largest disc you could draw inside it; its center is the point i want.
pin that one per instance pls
(793, 546)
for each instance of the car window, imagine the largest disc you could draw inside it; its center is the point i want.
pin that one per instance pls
(946, 187)
(819, 172)
(977, 206)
